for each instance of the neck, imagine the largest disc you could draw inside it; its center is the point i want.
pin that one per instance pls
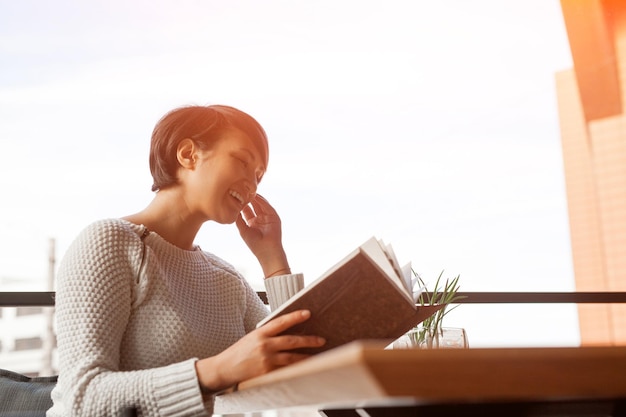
(168, 216)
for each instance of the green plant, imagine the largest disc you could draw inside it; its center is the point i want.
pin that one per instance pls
(438, 296)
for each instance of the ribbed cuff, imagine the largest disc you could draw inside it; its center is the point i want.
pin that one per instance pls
(177, 390)
(280, 288)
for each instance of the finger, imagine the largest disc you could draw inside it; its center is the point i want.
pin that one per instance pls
(287, 358)
(241, 224)
(262, 199)
(247, 212)
(282, 323)
(260, 204)
(290, 342)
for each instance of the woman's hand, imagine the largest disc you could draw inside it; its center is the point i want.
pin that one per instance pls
(257, 353)
(260, 227)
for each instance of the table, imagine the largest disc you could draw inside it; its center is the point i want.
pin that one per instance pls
(364, 379)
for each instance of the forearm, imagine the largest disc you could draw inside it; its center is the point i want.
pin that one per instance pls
(273, 261)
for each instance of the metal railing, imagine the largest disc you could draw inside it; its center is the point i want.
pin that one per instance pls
(46, 298)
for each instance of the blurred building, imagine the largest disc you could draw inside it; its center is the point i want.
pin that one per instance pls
(27, 336)
(592, 117)
(27, 342)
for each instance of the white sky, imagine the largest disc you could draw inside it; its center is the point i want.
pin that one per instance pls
(431, 125)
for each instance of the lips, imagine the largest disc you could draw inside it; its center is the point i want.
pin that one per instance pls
(237, 196)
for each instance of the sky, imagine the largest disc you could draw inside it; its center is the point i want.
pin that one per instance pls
(430, 125)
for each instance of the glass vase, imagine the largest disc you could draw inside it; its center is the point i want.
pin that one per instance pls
(442, 338)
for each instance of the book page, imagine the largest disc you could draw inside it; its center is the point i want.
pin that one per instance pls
(373, 249)
(391, 255)
(407, 275)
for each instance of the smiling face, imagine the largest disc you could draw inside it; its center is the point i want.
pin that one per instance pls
(223, 178)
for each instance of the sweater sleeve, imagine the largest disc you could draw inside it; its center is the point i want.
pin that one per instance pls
(93, 305)
(282, 287)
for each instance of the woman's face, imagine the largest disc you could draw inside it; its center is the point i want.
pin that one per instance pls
(225, 177)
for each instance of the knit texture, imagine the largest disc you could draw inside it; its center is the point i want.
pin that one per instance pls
(134, 315)
(284, 287)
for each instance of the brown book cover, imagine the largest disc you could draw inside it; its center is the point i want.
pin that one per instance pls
(361, 297)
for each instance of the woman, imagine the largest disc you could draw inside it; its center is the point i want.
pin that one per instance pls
(147, 319)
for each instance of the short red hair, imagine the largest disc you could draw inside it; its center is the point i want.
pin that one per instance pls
(202, 124)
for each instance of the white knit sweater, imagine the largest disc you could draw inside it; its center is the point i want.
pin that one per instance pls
(133, 314)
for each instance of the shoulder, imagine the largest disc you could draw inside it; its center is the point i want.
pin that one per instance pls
(108, 248)
(110, 233)
(115, 227)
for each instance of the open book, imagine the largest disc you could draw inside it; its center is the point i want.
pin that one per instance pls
(367, 295)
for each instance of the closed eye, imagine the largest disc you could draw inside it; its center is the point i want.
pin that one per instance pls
(243, 162)
(247, 159)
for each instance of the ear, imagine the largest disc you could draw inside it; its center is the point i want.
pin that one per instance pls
(186, 153)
